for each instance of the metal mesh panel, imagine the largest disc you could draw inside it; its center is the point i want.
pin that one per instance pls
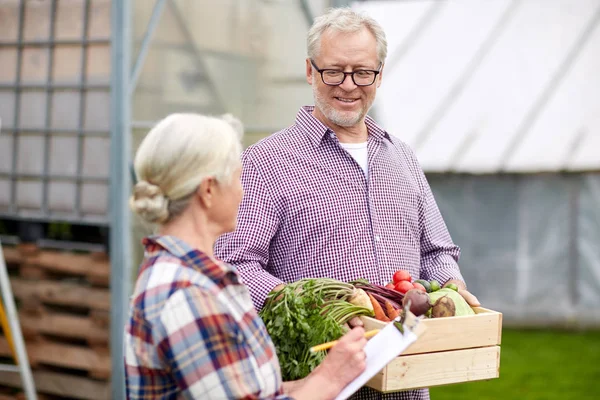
(54, 92)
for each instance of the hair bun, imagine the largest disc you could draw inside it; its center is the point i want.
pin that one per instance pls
(149, 202)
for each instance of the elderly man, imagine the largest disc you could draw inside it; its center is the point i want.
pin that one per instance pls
(335, 195)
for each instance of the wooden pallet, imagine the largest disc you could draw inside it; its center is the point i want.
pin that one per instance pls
(37, 263)
(12, 256)
(94, 361)
(61, 293)
(64, 309)
(60, 384)
(92, 329)
(13, 394)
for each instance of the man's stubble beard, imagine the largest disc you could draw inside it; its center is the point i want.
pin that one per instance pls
(343, 119)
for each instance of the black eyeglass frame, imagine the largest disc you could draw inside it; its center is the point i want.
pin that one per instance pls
(320, 71)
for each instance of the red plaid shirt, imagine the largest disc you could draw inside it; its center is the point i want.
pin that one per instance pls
(309, 211)
(193, 332)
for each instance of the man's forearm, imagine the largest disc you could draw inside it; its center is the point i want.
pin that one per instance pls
(442, 268)
(260, 284)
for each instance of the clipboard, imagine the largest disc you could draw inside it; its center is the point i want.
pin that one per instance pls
(381, 349)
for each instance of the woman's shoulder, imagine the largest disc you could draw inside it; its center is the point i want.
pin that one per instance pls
(160, 278)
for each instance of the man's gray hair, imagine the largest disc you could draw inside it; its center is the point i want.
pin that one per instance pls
(344, 20)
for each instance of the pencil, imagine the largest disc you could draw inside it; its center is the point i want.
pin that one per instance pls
(328, 345)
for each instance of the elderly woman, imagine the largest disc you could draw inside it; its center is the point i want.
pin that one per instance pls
(193, 332)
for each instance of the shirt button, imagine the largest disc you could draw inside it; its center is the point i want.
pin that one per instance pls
(377, 238)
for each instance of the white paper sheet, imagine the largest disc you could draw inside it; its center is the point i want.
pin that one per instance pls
(381, 349)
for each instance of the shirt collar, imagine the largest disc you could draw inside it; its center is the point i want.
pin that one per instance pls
(316, 130)
(196, 259)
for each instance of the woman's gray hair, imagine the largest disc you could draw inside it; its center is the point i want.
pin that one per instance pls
(174, 158)
(344, 20)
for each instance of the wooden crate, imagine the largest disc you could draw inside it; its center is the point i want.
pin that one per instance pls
(451, 350)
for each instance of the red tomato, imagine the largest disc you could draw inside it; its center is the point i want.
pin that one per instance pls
(401, 275)
(390, 285)
(403, 286)
(417, 285)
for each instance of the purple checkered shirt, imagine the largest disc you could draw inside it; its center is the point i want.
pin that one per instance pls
(309, 211)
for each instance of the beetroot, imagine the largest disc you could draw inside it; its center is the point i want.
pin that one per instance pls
(419, 301)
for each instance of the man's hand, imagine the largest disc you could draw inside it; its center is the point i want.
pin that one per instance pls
(276, 289)
(462, 290)
(469, 297)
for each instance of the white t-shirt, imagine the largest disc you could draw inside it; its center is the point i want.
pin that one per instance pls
(359, 152)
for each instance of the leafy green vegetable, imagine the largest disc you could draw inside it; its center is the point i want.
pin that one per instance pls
(306, 313)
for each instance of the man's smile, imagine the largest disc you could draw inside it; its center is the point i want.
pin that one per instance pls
(347, 100)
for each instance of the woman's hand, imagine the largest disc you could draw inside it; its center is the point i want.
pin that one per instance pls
(345, 361)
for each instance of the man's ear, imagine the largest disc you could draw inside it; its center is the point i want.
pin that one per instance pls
(380, 75)
(309, 75)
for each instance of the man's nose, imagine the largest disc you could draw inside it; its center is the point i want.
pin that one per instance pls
(348, 84)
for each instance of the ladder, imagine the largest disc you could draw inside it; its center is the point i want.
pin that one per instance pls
(12, 331)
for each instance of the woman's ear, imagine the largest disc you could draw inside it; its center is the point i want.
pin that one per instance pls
(206, 191)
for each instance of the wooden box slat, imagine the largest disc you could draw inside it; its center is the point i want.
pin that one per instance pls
(453, 333)
(439, 368)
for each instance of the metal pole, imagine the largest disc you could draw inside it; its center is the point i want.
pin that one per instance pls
(17, 335)
(13, 209)
(198, 55)
(49, 98)
(306, 11)
(340, 3)
(120, 154)
(79, 188)
(139, 62)
(574, 184)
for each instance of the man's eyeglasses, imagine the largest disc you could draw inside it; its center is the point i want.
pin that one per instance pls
(335, 77)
